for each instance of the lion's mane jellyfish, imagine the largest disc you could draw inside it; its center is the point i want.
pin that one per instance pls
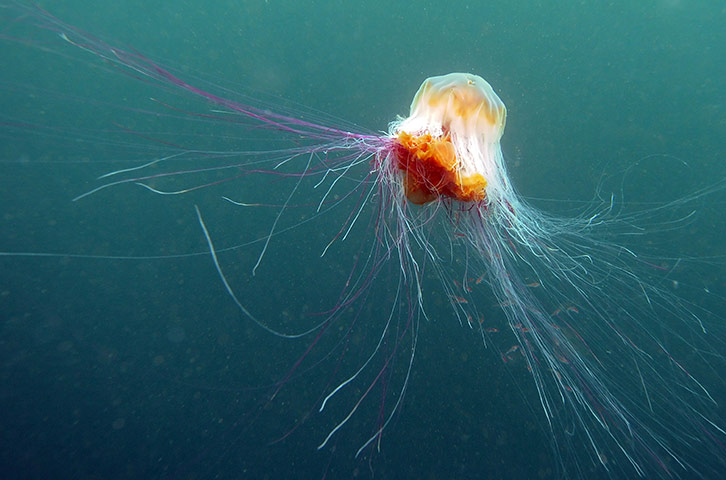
(585, 315)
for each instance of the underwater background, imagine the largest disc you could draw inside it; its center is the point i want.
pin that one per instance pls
(144, 368)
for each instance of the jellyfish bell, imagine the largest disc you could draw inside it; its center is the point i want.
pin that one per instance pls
(449, 144)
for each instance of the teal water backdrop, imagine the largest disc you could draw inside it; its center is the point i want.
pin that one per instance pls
(144, 368)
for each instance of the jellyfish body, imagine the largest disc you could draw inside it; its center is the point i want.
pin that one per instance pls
(449, 144)
(581, 307)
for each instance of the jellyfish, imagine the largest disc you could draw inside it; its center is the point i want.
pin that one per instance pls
(583, 308)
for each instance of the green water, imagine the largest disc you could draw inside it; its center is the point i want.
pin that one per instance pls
(145, 368)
